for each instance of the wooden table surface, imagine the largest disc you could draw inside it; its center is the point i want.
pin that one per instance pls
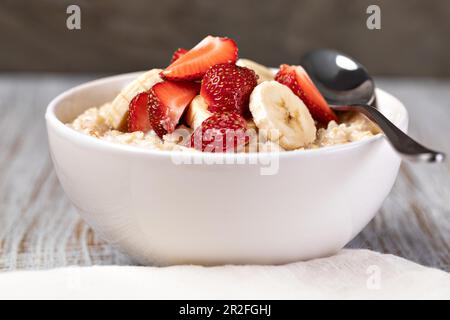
(39, 228)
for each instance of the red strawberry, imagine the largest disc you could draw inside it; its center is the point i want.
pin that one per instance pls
(138, 114)
(194, 64)
(222, 132)
(178, 54)
(227, 87)
(296, 78)
(166, 103)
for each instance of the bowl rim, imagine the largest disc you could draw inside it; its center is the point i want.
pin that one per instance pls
(55, 123)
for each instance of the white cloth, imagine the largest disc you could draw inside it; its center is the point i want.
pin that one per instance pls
(351, 274)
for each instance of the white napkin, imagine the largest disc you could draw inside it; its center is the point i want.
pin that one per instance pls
(357, 274)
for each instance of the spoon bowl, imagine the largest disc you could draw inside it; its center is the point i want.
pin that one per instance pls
(347, 86)
(338, 77)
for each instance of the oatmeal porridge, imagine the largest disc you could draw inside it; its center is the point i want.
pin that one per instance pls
(93, 122)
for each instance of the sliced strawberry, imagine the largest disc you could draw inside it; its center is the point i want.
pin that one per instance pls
(178, 54)
(227, 87)
(138, 114)
(222, 132)
(166, 103)
(296, 78)
(194, 64)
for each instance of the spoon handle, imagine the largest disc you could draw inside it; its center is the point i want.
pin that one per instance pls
(401, 142)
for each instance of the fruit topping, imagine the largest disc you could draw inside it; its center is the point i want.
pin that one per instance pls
(178, 54)
(194, 63)
(138, 113)
(227, 88)
(296, 78)
(222, 132)
(167, 102)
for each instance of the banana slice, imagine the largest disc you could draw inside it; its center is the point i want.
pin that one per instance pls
(197, 112)
(264, 73)
(119, 107)
(281, 116)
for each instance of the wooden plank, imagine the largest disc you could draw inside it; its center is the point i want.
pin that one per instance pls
(39, 228)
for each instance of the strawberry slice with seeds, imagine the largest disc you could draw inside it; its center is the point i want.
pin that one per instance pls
(296, 78)
(222, 132)
(226, 87)
(138, 113)
(208, 52)
(167, 101)
(178, 54)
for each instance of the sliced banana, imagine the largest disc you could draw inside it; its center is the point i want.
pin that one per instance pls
(281, 116)
(197, 112)
(119, 107)
(264, 73)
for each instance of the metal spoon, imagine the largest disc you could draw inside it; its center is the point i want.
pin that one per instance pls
(347, 86)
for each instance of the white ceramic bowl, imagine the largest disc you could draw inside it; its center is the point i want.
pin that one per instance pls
(160, 212)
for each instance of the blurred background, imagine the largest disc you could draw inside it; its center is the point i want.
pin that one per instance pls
(121, 36)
